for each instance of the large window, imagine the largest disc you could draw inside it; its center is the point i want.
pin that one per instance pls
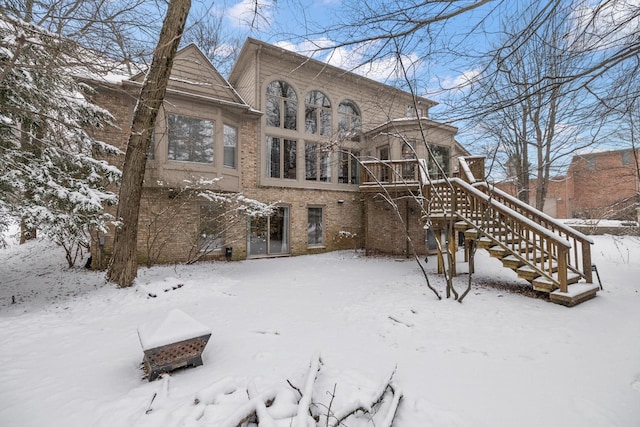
(348, 119)
(317, 162)
(315, 235)
(317, 113)
(230, 146)
(190, 139)
(439, 159)
(281, 158)
(211, 229)
(282, 105)
(349, 169)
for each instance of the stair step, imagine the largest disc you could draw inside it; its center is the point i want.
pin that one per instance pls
(543, 284)
(525, 249)
(527, 273)
(472, 234)
(576, 294)
(497, 251)
(484, 242)
(461, 226)
(512, 262)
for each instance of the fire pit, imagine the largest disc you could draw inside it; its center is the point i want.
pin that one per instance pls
(175, 342)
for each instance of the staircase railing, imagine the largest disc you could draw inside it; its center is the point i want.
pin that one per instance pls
(579, 256)
(532, 244)
(547, 246)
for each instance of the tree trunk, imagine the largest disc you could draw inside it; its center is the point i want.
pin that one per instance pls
(123, 267)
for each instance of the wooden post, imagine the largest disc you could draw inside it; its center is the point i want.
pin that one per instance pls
(453, 241)
(440, 256)
(586, 261)
(562, 268)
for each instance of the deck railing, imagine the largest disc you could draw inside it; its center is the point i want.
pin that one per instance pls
(549, 247)
(386, 172)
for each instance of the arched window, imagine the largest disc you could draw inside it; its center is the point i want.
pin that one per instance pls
(348, 118)
(317, 113)
(282, 105)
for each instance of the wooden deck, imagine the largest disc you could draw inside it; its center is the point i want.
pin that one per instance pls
(554, 258)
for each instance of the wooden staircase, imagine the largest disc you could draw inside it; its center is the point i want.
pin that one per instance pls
(553, 257)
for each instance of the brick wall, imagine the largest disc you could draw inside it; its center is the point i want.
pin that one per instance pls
(596, 186)
(386, 233)
(600, 182)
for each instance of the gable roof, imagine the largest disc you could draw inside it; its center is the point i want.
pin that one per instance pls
(193, 74)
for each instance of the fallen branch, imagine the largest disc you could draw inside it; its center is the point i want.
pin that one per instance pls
(160, 395)
(264, 419)
(209, 395)
(307, 393)
(400, 322)
(248, 410)
(393, 409)
(377, 398)
(295, 388)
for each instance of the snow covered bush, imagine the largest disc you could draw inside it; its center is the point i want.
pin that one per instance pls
(50, 175)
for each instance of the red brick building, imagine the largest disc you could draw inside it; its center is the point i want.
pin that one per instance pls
(603, 185)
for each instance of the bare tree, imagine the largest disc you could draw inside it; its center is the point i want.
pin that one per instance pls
(124, 265)
(534, 122)
(120, 30)
(208, 33)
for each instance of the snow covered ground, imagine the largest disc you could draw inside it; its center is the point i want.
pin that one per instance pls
(70, 353)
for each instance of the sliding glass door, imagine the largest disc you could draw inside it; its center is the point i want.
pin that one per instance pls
(270, 236)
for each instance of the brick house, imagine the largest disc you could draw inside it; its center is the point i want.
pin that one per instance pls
(283, 129)
(603, 185)
(329, 149)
